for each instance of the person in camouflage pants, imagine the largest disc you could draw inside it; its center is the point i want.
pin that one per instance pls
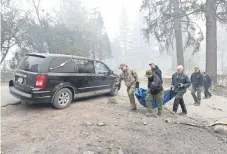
(130, 78)
(155, 92)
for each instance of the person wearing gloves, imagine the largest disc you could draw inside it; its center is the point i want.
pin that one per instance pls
(180, 83)
(155, 92)
(197, 85)
(130, 78)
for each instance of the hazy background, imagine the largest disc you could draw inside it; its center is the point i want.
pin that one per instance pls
(138, 53)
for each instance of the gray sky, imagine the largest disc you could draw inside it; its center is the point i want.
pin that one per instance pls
(110, 10)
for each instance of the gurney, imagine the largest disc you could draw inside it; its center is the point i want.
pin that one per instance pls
(141, 96)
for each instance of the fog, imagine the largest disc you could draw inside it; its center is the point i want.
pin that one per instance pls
(116, 32)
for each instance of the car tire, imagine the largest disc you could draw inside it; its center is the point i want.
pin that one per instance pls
(114, 91)
(62, 99)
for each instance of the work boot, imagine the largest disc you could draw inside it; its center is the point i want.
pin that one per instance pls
(148, 114)
(197, 104)
(183, 107)
(159, 113)
(175, 105)
(183, 113)
(133, 107)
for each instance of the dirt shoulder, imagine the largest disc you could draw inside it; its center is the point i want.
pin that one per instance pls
(42, 129)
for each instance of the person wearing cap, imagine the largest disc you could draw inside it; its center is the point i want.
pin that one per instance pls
(130, 78)
(207, 81)
(155, 92)
(197, 85)
(155, 69)
(180, 83)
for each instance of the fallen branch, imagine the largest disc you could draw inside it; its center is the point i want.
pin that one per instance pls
(11, 104)
(190, 124)
(207, 128)
(218, 123)
(170, 111)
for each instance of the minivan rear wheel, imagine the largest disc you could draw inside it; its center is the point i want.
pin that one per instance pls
(62, 99)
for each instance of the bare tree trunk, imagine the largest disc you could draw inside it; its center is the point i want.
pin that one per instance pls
(211, 39)
(4, 55)
(174, 56)
(6, 51)
(178, 34)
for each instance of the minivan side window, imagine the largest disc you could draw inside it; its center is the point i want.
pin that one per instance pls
(85, 66)
(101, 68)
(62, 65)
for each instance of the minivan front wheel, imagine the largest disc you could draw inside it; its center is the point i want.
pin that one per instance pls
(114, 91)
(62, 99)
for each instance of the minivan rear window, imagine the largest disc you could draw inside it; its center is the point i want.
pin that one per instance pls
(30, 63)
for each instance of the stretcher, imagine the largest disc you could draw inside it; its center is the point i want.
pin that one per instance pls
(141, 96)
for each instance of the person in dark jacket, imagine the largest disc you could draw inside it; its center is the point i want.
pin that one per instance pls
(156, 70)
(155, 91)
(180, 83)
(197, 85)
(207, 81)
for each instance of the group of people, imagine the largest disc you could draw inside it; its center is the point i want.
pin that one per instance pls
(179, 85)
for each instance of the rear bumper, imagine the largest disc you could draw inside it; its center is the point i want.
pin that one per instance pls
(35, 96)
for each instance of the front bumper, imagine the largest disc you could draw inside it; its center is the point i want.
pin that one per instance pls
(35, 96)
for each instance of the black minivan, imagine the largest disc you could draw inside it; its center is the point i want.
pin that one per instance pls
(59, 79)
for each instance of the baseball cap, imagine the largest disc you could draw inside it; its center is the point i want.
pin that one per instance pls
(151, 63)
(148, 73)
(196, 68)
(122, 65)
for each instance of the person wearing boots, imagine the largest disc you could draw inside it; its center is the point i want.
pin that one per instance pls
(131, 79)
(197, 85)
(207, 81)
(180, 83)
(155, 92)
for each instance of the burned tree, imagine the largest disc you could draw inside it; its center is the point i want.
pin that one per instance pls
(12, 21)
(168, 20)
(215, 11)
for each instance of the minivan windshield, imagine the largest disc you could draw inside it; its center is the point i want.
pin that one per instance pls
(30, 63)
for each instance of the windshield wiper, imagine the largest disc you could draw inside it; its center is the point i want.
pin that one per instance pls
(61, 65)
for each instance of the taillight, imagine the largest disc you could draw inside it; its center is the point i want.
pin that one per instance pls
(40, 81)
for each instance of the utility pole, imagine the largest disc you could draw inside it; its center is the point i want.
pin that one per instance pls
(94, 13)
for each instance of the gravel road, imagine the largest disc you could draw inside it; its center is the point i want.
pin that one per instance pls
(94, 125)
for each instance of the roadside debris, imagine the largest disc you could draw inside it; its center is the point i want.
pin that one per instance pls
(120, 151)
(220, 109)
(89, 152)
(14, 103)
(145, 123)
(101, 124)
(112, 101)
(167, 120)
(220, 129)
(88, 123)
